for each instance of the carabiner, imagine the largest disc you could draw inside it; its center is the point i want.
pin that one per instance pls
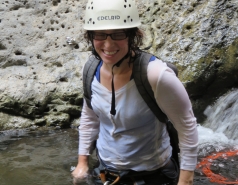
(106, 183)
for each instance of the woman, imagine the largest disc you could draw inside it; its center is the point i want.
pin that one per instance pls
(131, 141)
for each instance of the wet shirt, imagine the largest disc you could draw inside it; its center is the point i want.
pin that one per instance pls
(134, 138)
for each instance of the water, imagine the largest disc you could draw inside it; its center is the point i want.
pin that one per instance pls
(223, 117)
(215, 149)
(218, 143)
(37, 157)
(47, 156)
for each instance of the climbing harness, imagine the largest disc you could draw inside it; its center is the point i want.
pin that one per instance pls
(105, 175)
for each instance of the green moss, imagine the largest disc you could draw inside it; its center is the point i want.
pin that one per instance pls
(218, 63)
(211, 76)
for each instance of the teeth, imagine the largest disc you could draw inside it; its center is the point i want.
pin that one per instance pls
(110, 53)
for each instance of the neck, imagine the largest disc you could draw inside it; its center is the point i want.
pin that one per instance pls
(123, 68)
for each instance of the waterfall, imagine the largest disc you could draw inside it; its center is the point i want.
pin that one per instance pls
(222, 116)
(218, 142)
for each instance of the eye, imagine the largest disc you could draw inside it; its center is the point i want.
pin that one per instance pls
(99, 34)
(119, 34)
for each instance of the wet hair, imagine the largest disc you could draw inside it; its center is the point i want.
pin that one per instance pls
(135, 37)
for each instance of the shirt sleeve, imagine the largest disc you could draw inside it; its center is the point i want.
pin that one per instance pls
(88, 130)
(173, 100)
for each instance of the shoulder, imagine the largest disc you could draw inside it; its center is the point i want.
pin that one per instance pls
(155, 62)
(156, 69)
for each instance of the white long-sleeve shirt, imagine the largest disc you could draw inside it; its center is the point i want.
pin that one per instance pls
(134, 138)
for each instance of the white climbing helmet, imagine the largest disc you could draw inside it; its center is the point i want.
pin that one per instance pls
(111, 14)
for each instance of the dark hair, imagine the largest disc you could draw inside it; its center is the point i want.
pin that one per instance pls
(135, 37)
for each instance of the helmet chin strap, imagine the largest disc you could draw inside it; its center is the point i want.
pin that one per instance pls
(113, 102)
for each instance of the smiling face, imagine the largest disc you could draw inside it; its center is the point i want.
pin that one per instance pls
(111, 51)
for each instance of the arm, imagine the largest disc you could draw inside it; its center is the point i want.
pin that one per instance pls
(88, 133)
(186, 177)
(173, 100)
(81, 170)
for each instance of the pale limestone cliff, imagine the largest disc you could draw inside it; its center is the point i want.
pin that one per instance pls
(42, 52)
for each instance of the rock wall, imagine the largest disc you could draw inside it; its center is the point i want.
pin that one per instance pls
(201, 38)
(42, 52)
(40, 72)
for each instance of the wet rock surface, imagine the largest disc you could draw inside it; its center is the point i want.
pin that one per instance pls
(42, 52)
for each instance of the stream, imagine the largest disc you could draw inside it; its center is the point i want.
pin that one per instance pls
(46, 156)
(37, 157)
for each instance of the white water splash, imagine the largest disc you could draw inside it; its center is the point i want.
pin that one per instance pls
(208, 135)
(222, 117)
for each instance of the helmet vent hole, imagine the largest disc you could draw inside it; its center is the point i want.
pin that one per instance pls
(124, 6)
(125, 0)
(129, 5)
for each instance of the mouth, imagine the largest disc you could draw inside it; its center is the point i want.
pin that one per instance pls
(110, 52)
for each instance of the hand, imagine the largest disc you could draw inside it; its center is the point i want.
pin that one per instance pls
(186, 177)
(80, 173)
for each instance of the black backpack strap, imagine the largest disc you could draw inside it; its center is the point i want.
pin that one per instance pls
(140, 76)
(143, 85)
(89, 70)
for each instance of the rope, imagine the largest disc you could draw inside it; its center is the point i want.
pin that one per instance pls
(206, 162)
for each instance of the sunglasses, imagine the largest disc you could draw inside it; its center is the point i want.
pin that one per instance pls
(114, 36)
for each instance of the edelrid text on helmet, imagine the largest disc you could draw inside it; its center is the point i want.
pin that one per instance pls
(102, 18)
(113, 14)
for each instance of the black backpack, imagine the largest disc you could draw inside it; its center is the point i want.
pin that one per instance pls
(140, 77)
